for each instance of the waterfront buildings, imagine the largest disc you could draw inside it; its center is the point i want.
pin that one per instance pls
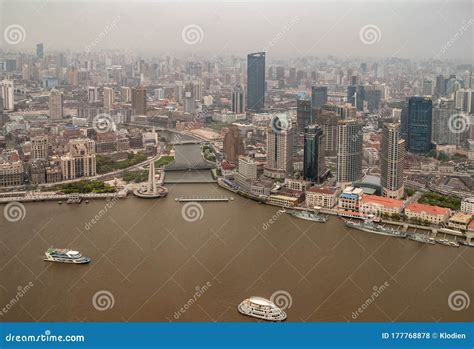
(314, 163)
(378, 205)
(321, 197)
(392, 161)
(256, 81)
(467, 205)
(349, 152)
(419, 125)
(56, 102)
(11, 173)
(432, 214)
(80, 161)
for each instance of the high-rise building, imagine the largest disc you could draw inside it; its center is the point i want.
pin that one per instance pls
(238, 100)
(427, 88)
(247, 168)
(7, 95)
(440, 89)
(280, 73)
(39, 51)
(279, 148)
(319, 96)
(314, 164)
(349, 152)
(139, 100)
(443, 114)
(109, 97)
(126, 94)
(392, 161)
(327, 117)
(233, 145)
(56, 101)
(256, 81)
(92, 94)
(39, 148)
(80, 161)
(303, 113)
(419, 124)
(2, 114)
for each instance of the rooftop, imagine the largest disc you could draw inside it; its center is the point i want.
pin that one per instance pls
(382, 201)
(428, 209)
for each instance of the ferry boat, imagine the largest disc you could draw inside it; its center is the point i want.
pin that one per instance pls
(261, 308)
(309, 216)
(369, 226)
(421, 238)
(447, 242)
(65, 256)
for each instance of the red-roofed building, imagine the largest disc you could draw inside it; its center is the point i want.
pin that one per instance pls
(321, 196)
(432, 214)
(373, 204)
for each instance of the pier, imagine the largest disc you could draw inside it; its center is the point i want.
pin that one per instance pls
(32, 196)
(204, 199)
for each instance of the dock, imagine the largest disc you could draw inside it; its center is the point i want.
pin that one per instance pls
(204, 199)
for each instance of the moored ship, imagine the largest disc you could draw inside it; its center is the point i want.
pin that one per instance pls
(261, 308)
(309, 216)
(65, 256)
(369, 226)
(447, 242)
(421, 238)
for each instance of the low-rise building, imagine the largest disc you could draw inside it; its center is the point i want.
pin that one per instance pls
(349, 199)
(467, 205)
(373, 204)
(283, 200)
(321, 196)
(11, 173)
(432, 214)
(460, 220)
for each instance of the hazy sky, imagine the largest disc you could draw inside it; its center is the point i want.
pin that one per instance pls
(413, 29)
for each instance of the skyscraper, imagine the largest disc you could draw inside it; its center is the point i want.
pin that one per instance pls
(419, 124)
(8, 95)
(392, 161)
(92, 94)
(256, 81)
(233, 145)
(319, 96)
(327, 117)
(56, 104)
(39, 51)
(443, 111)
(279, 148)
(238, 100)
(139, 100)
(109, 97)
(126, 94)
(303, 112)
(314, 164)
(349, 152)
